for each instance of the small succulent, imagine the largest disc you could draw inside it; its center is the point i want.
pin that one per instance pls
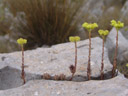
(62, 77)
(46, 76)
(56, 77)
(117, 25)
(89, 27)
(103, 34)
(59, 77)
(72, 68)
(21, 42)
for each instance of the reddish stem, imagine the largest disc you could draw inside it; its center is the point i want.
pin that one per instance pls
(102, 62)
(89, 59)
(115, 57)
(23, 73)
(75, 60)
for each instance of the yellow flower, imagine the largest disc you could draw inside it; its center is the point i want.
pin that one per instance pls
(103, 32)
(71, 39)
(74, 38)
(113, 22)
(127, 65)
(117, 24)
(77, 38)
(84, 24)
(89, 26)
(21, 41)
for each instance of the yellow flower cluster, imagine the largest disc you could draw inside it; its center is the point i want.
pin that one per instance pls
(74, 39)
(21, 41)
(117, 24)
(103, 32)
(89, 26)
(127, 65)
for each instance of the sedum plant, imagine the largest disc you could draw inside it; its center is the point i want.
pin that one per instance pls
(62, 77)
(56, 77)
(74, 39)
(89, 27)
(59, 77)
(117, 25)
(21, 42)
(46, 76)
(103, 34)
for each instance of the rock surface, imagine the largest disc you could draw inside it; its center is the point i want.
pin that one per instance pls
(117, 86)
(7, 41)
(56, 60)
(123, 18)
(124, 11)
